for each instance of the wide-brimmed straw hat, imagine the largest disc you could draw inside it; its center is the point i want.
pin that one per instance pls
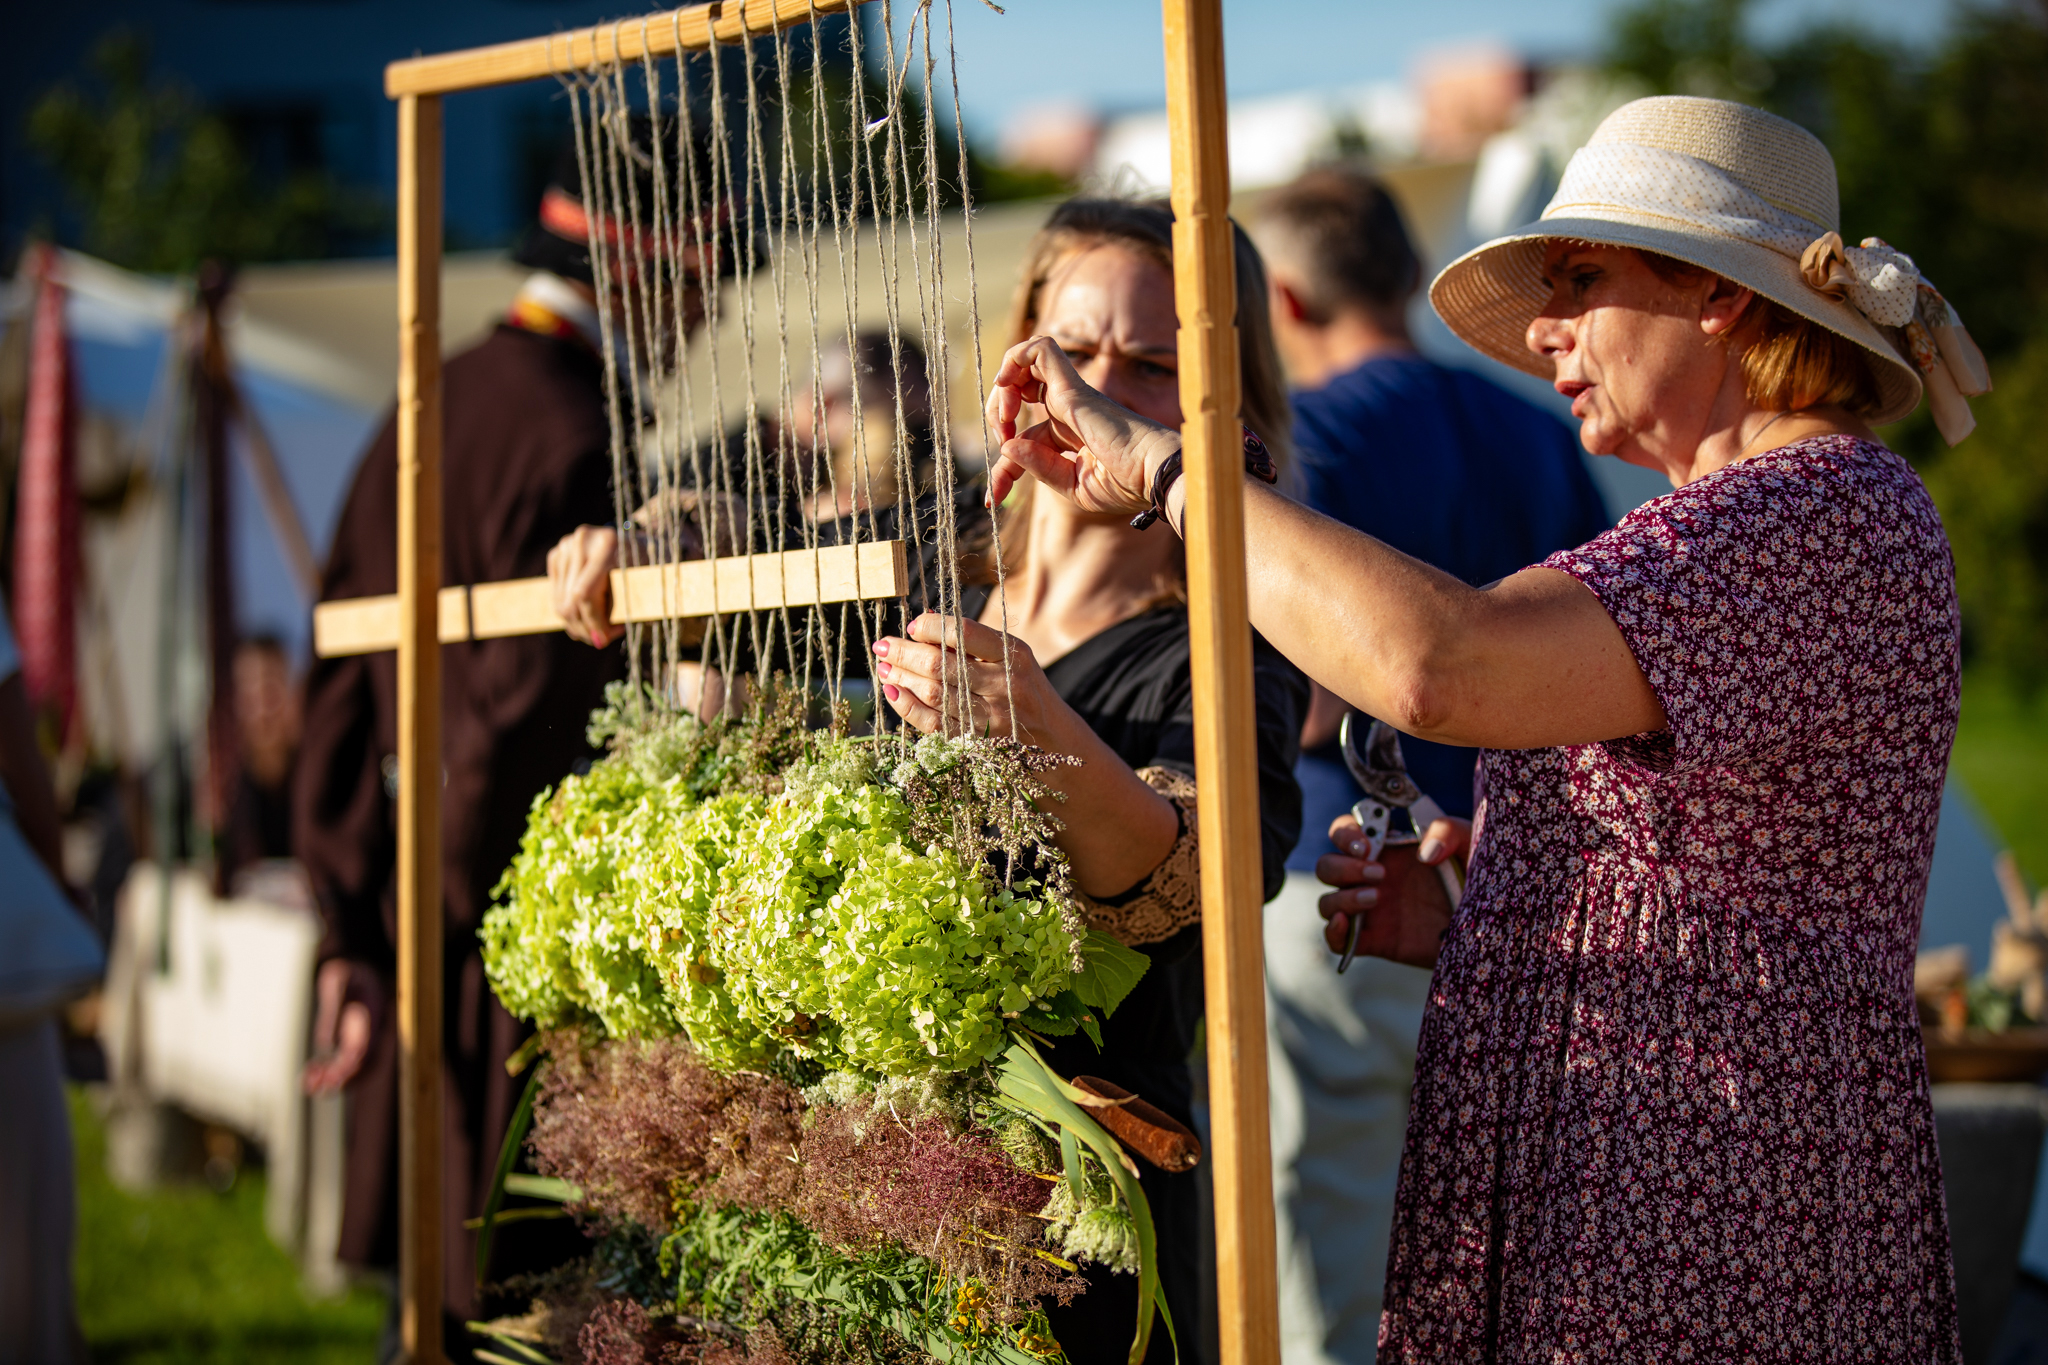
(1751, 197)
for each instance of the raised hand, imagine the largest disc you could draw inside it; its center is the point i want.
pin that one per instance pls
(1089, 450)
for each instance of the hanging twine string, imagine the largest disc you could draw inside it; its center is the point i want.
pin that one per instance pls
(751, 197)
(995, 529)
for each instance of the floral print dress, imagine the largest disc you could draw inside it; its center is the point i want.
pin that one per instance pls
(1670, 1099)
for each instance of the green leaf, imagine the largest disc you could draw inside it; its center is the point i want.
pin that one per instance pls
(1028, 1081)
(1070, 1156)
(1166, 1316)
(1058, 1017)
(543, 1187)
(1111, 971)
(508, 1156)
(504, 1216)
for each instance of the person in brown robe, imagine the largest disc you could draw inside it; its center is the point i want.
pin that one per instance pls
(526, 459)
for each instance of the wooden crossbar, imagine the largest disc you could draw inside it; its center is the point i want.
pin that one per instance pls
(690, 29)
(653, 592)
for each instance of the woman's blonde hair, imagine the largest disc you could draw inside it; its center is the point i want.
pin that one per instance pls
(1788, 362)
(1145, 228)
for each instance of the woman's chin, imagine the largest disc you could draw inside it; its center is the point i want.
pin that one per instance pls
(1600, 439)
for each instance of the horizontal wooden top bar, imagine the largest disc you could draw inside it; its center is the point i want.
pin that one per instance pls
(691, 28)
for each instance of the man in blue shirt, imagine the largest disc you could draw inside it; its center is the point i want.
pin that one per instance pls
(1452, 469)
(1435, 461)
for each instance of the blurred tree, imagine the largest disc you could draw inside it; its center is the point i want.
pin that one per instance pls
(160, 185)
(1993, 494)
(1943, 153)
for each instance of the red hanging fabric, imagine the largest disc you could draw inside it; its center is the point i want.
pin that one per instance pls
(46, 546)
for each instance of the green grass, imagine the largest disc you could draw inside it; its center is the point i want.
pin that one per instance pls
(186, 1276)
(2002, 757)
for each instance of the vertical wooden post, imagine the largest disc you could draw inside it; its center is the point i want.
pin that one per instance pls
(1226, 753)
(419, 725)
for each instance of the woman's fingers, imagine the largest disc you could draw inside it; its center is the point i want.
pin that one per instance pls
(1346, 873)
(1020, 379)
(1088, 449)
(905, 703)
(579, 582)
(935, 690)
(1445, 838)
(938, 655)
(971, 638)
(1349, 836)
(1356, 878)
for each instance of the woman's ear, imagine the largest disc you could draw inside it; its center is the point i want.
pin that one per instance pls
(1726, 304)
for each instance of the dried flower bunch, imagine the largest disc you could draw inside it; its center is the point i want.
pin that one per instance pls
(789, 977)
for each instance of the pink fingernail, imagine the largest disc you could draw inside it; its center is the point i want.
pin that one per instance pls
(882, 647)
(889, 690)
(882, 669)
(1432, 849)
(1367, 898)
(1356, 848)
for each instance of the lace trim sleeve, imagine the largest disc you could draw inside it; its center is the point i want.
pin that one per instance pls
(1169, 899)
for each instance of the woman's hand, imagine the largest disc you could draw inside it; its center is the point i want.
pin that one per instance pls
(999, 701)
(1114, 827)
(580, 583)
(1097, 455)
(1401, 898)
(341, 1032)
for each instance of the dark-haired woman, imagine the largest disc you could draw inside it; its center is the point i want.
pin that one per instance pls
(1097, 642)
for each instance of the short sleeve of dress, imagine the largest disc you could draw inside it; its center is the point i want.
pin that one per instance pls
(1752, 598)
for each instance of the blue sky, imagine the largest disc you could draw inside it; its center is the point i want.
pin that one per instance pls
(1107, 53)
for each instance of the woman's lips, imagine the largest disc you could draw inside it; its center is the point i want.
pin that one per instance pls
(1574, 389)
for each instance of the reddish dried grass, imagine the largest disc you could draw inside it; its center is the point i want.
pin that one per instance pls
(952, 1197)
(636, 1123)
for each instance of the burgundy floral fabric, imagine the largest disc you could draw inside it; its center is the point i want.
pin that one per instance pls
(1670, 1100)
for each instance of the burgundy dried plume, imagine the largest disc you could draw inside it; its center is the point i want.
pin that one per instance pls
(952, 1197)
(638, 1124)
(635, 1122)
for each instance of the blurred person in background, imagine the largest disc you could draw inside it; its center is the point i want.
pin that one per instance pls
(526, 459)
(862, 472)
(269, 722)
(38, 1201)
(1454, 470)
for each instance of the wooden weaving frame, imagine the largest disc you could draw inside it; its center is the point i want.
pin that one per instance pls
(1219, 629)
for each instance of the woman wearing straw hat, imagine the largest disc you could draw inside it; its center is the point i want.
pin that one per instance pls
(1670, 1100)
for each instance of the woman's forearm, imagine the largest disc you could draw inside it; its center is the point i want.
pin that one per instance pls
(1531, 661)
(1117, 828)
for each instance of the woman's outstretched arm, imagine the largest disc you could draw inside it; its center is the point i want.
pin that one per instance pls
(1531, 661)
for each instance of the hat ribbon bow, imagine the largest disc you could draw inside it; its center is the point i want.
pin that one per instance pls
(1884, 285)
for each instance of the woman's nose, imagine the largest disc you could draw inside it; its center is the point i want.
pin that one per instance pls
(1548, 336)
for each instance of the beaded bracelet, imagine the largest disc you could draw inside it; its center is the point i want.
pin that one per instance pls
(1258, 462)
